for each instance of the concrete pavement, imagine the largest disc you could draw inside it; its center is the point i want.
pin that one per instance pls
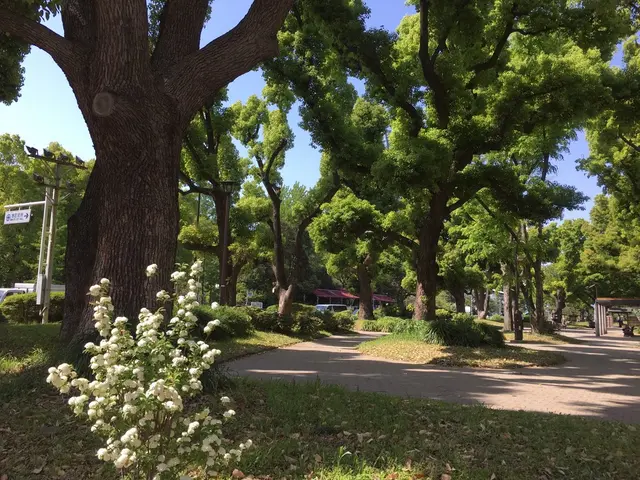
(600, 378)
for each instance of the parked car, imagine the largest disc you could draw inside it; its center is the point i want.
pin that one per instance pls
(333, 307)
(7, 292)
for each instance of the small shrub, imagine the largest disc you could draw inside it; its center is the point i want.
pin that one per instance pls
(497, 318)
(329, 321)
(491, 335)
(463, 317)
(307, 319)
(391, 310)
(384, 324)
(144, 377)
(234, 322)
(461, 331)
(22, 308)
(345, 321)
(442, 314)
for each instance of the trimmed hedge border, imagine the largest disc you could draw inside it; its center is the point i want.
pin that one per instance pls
(22, 308)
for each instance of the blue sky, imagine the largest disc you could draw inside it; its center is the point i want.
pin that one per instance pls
(47, 110)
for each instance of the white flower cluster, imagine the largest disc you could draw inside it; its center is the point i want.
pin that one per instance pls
(136, 399)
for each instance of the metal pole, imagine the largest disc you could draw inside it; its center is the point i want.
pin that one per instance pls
(51, 246)
(43, 240)
(225, 250)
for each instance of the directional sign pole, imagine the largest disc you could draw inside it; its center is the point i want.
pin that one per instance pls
(55, 193)
(43, 237)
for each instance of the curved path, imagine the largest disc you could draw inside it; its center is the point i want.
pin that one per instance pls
(601, 378)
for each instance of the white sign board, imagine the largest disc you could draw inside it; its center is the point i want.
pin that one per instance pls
(257, 304)
(17, 216)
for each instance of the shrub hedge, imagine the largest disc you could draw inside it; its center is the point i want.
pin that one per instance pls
(22, 308)
(234, 322)
(461, 330)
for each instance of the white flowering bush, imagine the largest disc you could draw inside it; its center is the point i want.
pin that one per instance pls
(136, 400)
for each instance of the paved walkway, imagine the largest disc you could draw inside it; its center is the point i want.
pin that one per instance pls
(600, 378)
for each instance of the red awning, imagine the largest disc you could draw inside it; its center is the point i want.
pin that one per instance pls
(383, 298)
(326, 293)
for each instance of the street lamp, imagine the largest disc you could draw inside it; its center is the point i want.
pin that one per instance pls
(226, 187)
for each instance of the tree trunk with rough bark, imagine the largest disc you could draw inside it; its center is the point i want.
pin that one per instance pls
(285, 300)
(236, 268)
(137, 106)
(507, 307)
(128, 218)
(426, 258)
(458, 295)
(481, 299)
(561, 299)
(365, 311)
(539, 298)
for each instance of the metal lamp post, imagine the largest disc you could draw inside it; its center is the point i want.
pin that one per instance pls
(227, 188)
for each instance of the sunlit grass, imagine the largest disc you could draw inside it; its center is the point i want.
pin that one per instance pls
(407, 349)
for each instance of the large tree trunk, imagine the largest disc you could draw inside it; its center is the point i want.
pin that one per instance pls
(561, 298)
(128, 218)
(426, 261)
(481, 299)
(538, 277)
(233, 282)
(365, 311)
(285, 300)
(227, 297)
(507, 307)
(458, 295)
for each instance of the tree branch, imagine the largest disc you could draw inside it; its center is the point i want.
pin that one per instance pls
(200, 75)
(180, 27)
(193, 188)
(513, 234)
(628, 142)
(492, 61)
(437, 87)
(196, 158)
(65, 53)
(274, 155)
(200, 247)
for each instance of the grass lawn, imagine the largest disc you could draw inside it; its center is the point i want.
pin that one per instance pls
(408, 349)
(550, 339)
(575, 325)
(311, 431)
(258, 342)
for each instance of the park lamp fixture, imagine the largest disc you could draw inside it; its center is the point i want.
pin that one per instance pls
(47, 153)
(79, 161)
(228, 187)
(32, 151)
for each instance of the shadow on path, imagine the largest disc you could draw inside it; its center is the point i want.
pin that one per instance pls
(600, 379)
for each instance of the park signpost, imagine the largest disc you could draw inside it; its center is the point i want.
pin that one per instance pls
(21, 213)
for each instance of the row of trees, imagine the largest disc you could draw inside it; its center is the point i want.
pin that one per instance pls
(464, 110)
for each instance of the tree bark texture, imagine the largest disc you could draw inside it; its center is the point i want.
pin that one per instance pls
(561, 299)
(365, 311)
(128, 218)
(458, 295)
(137, 107)
(236, 268)
(507, 311)
(481, 299)
(539, 282)
(426, 261)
